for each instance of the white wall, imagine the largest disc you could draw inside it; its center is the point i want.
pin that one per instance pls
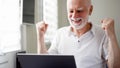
(62, 13)
(29, 38)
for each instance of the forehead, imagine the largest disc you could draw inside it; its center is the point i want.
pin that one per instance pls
(77, 3)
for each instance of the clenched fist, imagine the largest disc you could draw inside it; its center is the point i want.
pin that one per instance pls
(108, 26)
(41, 28)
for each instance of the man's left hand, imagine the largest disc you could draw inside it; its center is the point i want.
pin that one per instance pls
(108, 26)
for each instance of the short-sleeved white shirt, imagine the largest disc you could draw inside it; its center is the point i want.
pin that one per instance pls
(90, 50)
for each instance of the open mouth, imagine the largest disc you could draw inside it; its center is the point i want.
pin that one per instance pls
(77, 21)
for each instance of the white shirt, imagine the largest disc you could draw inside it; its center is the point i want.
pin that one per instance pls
(90, 50)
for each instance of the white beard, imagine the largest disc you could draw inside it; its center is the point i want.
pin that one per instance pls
(83, 22)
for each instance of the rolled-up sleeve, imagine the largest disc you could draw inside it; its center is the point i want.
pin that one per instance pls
(105, 48)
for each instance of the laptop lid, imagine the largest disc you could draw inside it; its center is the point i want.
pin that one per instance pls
(45, 61)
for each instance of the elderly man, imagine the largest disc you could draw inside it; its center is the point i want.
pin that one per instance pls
(92, 46)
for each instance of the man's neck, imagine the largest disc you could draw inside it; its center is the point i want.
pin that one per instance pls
(80, 32)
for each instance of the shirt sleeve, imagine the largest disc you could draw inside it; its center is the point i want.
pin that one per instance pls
(105, 48)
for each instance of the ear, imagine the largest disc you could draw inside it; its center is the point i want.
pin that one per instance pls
(91, 9)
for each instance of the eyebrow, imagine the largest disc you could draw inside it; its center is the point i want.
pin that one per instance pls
(80, 8)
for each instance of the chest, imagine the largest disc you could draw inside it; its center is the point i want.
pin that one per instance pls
(87, 46)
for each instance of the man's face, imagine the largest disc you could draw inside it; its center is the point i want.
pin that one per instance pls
(78, 12)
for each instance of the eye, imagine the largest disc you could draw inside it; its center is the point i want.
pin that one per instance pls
(71, 11)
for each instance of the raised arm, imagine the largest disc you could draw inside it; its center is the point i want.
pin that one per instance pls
(113, 47)
(41, 28)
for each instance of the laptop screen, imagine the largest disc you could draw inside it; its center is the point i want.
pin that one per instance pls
(45, 61)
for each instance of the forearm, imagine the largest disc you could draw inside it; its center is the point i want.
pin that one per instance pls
(42, 47)
(113, 53)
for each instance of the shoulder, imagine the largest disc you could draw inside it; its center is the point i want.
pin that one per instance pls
(99, 33)
(97, 30)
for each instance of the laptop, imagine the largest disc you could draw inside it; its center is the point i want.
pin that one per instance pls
(45, 61)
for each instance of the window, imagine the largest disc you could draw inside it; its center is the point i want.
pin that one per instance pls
(50, 15)
(10, 22)
(28, 11)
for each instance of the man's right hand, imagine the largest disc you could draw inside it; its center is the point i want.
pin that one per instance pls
(41, 28)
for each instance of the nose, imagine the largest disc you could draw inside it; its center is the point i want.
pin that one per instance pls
(74, 15)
